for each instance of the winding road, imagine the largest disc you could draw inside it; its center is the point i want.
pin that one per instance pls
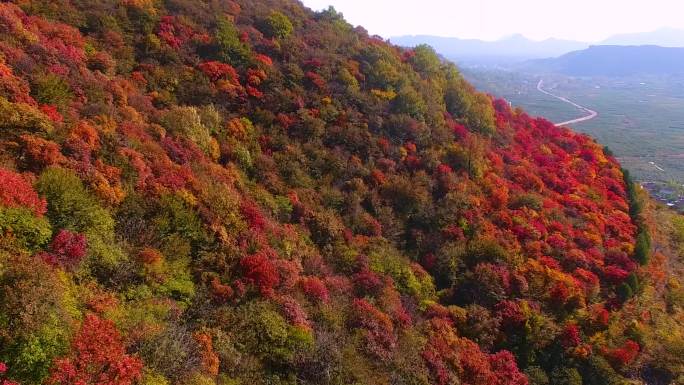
(591, 114)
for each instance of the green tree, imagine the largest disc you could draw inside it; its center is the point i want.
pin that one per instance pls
(426, 61)
(536, 376)
(642, 247)
(624, 292)
(187, 122)
(33, 320)
(468, 156)
(27, 231)
(266, 333)
(52, 89)
(19, 118)
(278, 25)
(633, 282)
(566, 376)
(598, 371)
(71, 206)
(230, 48)
(410, 102)
(463, 102)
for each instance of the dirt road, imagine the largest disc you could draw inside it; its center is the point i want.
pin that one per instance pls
(591, 114)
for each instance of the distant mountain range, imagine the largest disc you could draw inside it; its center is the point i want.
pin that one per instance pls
(508, 50)
(518, 48)
(664, 37)
(613, 60)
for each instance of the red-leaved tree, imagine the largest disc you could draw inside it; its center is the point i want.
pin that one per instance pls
(97, 357)
(15, 191)
(261, 272)
(3, 370)
(66, 250)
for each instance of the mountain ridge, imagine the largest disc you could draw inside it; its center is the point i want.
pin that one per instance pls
(507, 49)
(614, 60)
(664, 37)
(517, 48)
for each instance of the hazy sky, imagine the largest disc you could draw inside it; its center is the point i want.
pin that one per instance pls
(586, 20)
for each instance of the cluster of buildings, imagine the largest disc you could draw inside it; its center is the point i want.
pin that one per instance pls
(668, 193)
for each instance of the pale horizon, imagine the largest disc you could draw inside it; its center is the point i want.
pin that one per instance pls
(580, 20)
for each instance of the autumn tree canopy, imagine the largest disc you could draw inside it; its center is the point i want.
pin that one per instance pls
(246, 191)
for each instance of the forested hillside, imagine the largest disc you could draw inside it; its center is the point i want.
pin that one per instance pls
(248, 192)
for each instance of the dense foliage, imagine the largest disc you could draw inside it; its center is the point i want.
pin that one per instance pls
(236, 192)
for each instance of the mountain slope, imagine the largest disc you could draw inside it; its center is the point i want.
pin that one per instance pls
(246, 191)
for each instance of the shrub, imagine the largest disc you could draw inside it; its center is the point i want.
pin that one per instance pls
(3, 370)
(367, 282)
(486, 284)
(216, 70)
(506, 370)
(511, 314)
(209, 359)
(474, 364)
(599, 372)
(536, 376)
(531, 201)
(623, 355)
(253, 216)
(40, 153)
(479, 325)
(571, 336)
(173, 353)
